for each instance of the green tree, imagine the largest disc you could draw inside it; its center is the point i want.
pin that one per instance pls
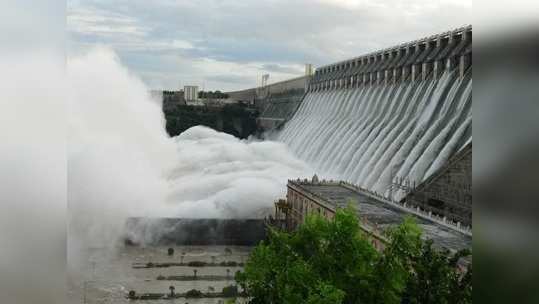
(393, 269)
(334, 262)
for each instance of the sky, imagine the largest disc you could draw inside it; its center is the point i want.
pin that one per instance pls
(227, 45)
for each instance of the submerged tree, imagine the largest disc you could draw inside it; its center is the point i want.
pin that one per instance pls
(334, 262)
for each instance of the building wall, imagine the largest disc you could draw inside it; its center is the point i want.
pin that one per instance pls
(303, 203)
(449, 192)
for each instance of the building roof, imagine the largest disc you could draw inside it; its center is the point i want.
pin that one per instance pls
(379, 214)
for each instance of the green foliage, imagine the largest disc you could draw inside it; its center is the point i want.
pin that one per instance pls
(193, 293)
(230, 291)
(433, 279)
(333, 262)
(212, 95)
(393, 269)
(233, 119)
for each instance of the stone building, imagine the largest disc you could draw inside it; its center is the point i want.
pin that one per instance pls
(375, 213)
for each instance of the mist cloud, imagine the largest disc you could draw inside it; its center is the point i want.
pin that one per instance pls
(121, 162)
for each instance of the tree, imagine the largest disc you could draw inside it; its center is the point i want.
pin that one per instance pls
(230, 291)
(434, 279)
(333, 262)
(393, 269)
(193, 293)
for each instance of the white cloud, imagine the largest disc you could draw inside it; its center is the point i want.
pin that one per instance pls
(167, 42)
(88, 21)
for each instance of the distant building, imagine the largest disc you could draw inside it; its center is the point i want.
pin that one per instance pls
(190, 93)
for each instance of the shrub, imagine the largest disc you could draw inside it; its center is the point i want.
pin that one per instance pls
(230, 291)
(193, 293)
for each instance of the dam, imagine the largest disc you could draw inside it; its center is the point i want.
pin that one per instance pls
(394, 115)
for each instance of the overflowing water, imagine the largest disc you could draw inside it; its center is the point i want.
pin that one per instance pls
(377, 134)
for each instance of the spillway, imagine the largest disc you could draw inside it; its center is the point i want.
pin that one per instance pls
(398, 114)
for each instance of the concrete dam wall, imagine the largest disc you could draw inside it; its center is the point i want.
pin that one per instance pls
(279, 108)
(275, 102)
(392, 115)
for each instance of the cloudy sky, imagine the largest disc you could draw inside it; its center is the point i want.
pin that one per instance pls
(227, 44)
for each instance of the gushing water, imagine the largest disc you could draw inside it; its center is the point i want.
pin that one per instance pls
(374, 134)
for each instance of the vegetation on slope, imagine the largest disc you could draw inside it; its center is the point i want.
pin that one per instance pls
(234, 119)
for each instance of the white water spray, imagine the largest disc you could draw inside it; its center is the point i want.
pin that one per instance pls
(372, 135)
(122, 163)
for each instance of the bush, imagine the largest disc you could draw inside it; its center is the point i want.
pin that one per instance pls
(230, 291)
(193, 293)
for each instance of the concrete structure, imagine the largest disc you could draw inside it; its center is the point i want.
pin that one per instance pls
(375, 213)
(279, 101)
(448, 192)
(414, 60)
(190, 93)
(279, 108)
(396, 114)
(309, 71)
(247, 96)
(259, 96)
(276, 102)
(297, 83)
